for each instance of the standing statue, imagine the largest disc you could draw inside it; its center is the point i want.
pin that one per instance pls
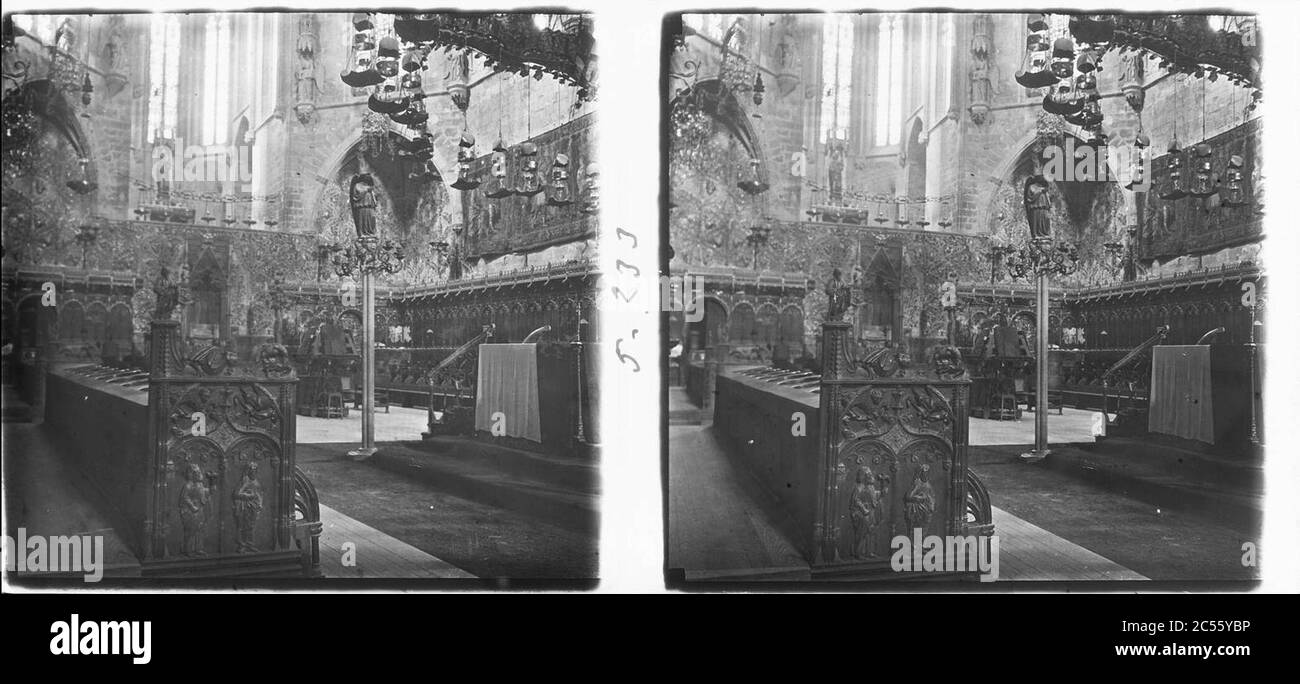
(919, 505)
(247, 500)
(835, 171)
(1038, 207)
(193, 511)
(362, 199)
(167, 293)
(839, 297)
(864, 513)
(305, 88)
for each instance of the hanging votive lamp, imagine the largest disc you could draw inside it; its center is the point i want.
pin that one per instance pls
(1173, 187)
(900, 214)
(558, 194)
(83, 185)
(880, 212)
(86, 89)
(362, 73)
(945, 214)
(920, 214)
(759, 89)
(386, 59)
(753, 182)
(464, 157)
(1087, 62)
(1034, 71)
(388, 100)
(1137, 174)
(1203, 183)
(496, 184)
(1062, 99)
(1063, 58)
(530, 180)
(1234, 182)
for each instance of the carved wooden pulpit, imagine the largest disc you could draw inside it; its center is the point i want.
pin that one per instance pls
(224, 481)
(893, 455)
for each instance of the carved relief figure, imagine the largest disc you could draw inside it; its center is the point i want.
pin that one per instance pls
(212, 359)
(864, 513)
(193, 511)
(362, 199)
(247, 499)
(919, 505)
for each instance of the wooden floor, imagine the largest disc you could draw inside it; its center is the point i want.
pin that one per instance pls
(1029, 553)
(377, 555)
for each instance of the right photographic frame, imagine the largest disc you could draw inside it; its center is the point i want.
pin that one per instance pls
(964, 297)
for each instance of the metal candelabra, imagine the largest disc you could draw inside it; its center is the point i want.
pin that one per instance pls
(367, 256)
(1041, 259)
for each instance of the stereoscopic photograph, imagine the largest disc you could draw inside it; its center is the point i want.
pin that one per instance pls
(300, 295)
(968, 297)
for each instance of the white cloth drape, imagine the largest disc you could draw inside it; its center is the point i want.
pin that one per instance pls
(507, 385)
(1181, 402)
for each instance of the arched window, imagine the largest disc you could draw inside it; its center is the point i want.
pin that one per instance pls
(889, 80)
(837, 75)
(164, 75)
(216, 78)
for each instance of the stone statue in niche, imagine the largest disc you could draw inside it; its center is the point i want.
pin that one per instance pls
(193, 511)
(839, 296)
(918, 508)
(1038, 207)
(786, 56)
(247, 508)
(981, 79)
(305, 87)
(362, 199)
(864, 514)
(1131, 77)
(113, 54)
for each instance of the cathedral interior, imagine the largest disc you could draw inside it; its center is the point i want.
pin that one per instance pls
(863, 212)
(228, 238)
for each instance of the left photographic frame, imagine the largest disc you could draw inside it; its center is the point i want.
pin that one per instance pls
(304, 296)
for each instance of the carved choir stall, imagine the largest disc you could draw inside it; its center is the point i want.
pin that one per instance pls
(195, 456)
(885, 453)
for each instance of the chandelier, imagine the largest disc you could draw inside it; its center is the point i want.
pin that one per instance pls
(1064, 59)
(389, 54)
(696, 104)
